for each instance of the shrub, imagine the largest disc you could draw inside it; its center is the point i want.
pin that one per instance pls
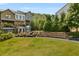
(74, 34)
(6, 36)
(3, 36)
(10, 35)
(1, 31)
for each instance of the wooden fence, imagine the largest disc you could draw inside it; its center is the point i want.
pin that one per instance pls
(45, 34)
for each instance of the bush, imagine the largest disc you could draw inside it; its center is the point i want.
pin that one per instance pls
(6, 36)
(74, 34)
(3, 36)
(1, 31)
(10, 35)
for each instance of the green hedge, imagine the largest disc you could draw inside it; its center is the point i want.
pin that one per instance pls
(6, 36)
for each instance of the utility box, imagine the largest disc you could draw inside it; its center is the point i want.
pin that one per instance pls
(28, 28)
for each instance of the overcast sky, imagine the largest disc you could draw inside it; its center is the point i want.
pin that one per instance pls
(48, 8)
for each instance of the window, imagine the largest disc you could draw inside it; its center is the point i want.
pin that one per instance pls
(20, 17)
(28, 18)
(23, 17)
(16, 16)
(8, 16)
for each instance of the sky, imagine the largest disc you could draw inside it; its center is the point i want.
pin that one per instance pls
(43, 8)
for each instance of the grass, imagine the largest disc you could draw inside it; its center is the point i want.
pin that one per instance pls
(38, 47)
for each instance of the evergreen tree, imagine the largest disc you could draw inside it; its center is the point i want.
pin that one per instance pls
(48, 23)
(62, 23)
(38, 21)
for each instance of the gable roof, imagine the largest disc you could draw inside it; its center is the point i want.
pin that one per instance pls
(15, 12)
(2, 10)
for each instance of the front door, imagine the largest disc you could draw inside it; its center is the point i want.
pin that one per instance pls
(20, 30)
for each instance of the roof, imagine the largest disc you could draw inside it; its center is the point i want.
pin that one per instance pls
(17, 11)
(62, 8)
(2, 10)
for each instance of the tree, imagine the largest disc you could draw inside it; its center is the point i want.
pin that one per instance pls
(62, 23)
(38, 21)
(55, 24)
(73, 16)
(48, 23)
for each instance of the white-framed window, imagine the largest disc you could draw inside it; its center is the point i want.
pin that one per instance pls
(23, 17)
(20, 17)
(16, 16)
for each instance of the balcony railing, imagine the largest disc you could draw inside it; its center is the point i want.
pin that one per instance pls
(7, 19)
(7, 24)
(8, 28)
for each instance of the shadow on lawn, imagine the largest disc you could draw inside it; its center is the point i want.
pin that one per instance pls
(74, 38)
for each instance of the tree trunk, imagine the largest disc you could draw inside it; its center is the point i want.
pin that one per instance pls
(76, 29)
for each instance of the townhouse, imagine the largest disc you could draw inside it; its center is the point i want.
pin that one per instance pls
(16, 21)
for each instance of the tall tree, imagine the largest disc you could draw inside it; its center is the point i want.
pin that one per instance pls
(48, 23)
(38, 21)
(62, 23)
(55, 24)
(73, 16)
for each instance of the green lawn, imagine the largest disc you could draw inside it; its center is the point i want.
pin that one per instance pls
(38, 47)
